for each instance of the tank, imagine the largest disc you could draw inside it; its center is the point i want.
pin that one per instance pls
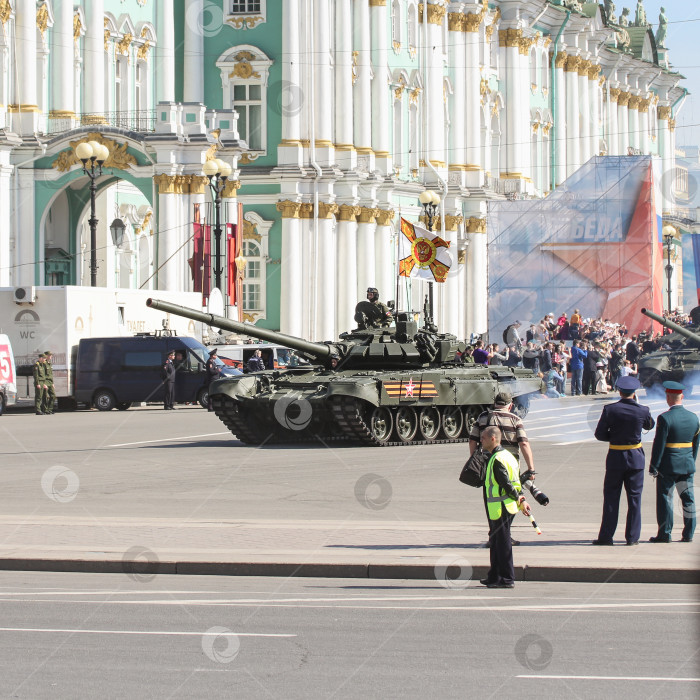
(680, 363)
(380, 386)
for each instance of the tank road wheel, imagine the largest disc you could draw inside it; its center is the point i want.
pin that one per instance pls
(471, 413)
(381, 424)
(452, 422)
(429, 422)
(406, 423)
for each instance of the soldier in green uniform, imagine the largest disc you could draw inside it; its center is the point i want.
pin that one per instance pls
(373, 313)
(39, 385)
(673, 464)
(50, 395)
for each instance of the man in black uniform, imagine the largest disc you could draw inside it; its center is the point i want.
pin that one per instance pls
(621, 425)
(673, 464)
(169, 381)
(212, 374)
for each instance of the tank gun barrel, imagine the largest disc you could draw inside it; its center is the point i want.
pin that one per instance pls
(673, 326)
(317, 350)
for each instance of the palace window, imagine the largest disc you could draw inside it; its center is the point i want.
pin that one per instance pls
(244, 75)
(254, 250)
(246, 14)
(244, 6)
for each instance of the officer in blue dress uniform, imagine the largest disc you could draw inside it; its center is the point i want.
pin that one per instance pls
(673, 464)
(621, 425)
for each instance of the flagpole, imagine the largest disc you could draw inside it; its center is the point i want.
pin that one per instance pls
(396, 266)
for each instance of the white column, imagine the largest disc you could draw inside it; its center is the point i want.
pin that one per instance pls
(25, 89)
(291, 302)
(167, 223)
(668, 175)
(193, 78)
(457, 155)
(94, 59)
(384, 256)
(513, 78)
(644, 127)
(345, 154)
(6, 213)
(62, 58)
(362, 93)
(633, 113)
(26, 254)
(480, 290)
(346, 267)
(594, 93)
(326, 296)
(473, 96)
(585, 132)
(613, 128)
(381, 94)
(623, 123)
(461, 295)
(450, 317)
(560, 131)
(323, 85)
(365, 251)
(165, 52)
(290, 151)
(573, 142)
(434, 102)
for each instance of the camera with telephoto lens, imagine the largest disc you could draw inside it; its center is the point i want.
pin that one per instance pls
(527, 481)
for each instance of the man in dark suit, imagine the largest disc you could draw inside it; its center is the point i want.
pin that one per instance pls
(673, 464)
(169, 381)
(621, 425)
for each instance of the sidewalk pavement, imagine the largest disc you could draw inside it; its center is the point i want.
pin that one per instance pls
(450, 552)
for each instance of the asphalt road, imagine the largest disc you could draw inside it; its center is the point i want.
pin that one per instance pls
(113, 636)
(147, 462)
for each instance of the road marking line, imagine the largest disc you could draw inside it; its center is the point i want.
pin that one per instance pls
(615, 678)
(185, 437)
(163, 633)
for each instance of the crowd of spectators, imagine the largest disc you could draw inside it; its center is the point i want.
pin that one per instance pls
(598, 353)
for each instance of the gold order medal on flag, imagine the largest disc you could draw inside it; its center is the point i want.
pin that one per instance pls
(423, 254)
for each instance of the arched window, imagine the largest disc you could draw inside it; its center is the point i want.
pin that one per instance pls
(396, 23)
(244, 75)
(544, 83)
(397, 155)
(413, 137)
(412, 27)
(252, 284)
(533, 70)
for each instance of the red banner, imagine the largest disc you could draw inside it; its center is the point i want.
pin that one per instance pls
(231, 255)
(197, 260)
(206, 269)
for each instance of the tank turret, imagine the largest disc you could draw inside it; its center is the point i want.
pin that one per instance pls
(403, 345)
(393, 385)
(678, 361)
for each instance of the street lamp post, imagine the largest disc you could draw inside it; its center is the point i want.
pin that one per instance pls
(668, 234)
(218, 173)
(430, 201)
(92, 155)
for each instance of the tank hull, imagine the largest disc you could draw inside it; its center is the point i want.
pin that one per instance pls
(371, 408)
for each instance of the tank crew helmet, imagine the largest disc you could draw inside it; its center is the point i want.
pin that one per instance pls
(373, 293)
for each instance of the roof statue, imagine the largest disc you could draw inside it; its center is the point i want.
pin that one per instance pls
(624, 17)
(640, 18)
(610, 11)
(662, 30)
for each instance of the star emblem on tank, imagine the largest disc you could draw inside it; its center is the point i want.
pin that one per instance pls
(409, 387)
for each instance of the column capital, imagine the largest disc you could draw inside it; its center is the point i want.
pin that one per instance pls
(525, 44)
(368, 215)
(198, 184)
(230, 189)
(583, 67)
(289, 209)
(385, 217)
(644, 105)
(455, 22)
(472, 22)
(663, 113)
(165, 183)
(452, 223)
(635, 101)
(593, 71)
(560, 60)
(672, 124)
(510, 38)
(615, 94)
(623, 98)
(306, 210)
(327, 211)
(377, 3)
(348, 212)
(476, 225)
(572, 64)
(436, 13)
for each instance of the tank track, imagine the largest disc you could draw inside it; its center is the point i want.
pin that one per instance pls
(348, 417)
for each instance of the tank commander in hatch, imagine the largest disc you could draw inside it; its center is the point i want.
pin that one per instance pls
(373, 313)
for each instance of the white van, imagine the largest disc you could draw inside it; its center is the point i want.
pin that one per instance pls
(274, 356)
(8, 374)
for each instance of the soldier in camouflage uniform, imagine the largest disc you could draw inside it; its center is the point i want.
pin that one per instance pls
(39, 385)
(50, 395)
(373, 313)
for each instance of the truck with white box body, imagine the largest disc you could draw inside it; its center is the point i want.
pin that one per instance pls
(57, 318)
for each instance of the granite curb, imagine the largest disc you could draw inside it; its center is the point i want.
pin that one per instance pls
(370, 570)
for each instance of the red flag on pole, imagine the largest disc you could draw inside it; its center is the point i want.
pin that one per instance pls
(231, 245)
